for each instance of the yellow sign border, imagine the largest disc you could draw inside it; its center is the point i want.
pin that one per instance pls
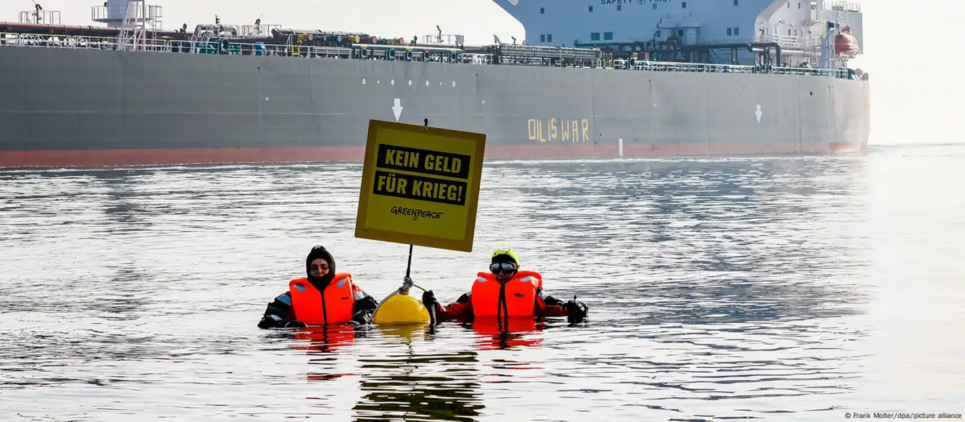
(475, 177)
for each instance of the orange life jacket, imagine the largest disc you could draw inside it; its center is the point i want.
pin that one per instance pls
(314, 308)
(519, 294)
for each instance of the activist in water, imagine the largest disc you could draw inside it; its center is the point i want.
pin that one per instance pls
(324, 297)
(506, 292)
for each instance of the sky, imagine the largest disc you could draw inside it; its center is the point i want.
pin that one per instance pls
(912, 49)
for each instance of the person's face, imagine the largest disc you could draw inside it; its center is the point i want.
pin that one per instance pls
(319, 267)
(503, 271)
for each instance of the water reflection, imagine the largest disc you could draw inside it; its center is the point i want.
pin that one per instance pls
(324, 340)
(324, 345)
(493, 334)
(124, 205)
(418, 386)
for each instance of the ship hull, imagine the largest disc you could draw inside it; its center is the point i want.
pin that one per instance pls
(63, 108)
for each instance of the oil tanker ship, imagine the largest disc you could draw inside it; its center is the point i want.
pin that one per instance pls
(592, 79)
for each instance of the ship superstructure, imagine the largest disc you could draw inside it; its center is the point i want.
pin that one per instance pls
(749, 32)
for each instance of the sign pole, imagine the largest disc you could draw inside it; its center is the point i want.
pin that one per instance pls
(432, 311)
(409, 266)
(408, 283)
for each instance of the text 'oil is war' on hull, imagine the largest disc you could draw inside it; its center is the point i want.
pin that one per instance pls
(574, 131)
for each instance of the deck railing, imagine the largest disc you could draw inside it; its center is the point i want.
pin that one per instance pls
(791, 41)
(370, 52)
(846, 6)
(730, 68)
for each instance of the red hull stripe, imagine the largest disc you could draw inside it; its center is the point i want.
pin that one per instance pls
(186, 156)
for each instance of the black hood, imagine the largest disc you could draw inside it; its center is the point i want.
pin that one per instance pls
(320, 283)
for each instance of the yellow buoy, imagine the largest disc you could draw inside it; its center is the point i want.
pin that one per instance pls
(401, 309)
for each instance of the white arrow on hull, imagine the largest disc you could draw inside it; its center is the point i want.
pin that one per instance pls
(397, 109)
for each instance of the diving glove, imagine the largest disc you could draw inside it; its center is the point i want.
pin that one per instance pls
(575, 310)
(429, 299)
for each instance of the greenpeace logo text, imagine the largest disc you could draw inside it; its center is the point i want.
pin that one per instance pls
(416, 213)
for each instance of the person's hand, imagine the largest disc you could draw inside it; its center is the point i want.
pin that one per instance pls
(295, 324)
(429, 299)
(576, 310)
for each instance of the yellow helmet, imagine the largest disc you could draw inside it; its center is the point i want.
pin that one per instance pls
(506, 252)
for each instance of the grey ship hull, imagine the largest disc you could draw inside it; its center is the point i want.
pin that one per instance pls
(62, 107)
